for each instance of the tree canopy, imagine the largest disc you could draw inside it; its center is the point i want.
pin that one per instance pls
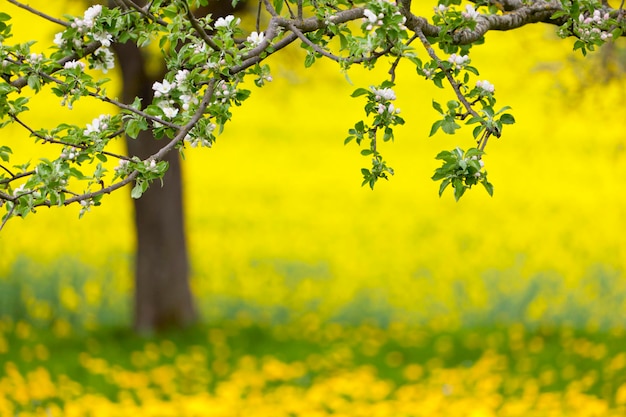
(209, 59)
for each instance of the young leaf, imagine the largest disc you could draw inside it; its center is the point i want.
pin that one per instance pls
(507, 119)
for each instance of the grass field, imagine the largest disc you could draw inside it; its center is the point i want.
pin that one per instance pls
(320, 297)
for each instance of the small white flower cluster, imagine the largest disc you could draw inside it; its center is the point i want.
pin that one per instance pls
(429, 73)
(458, 61)
(224, 91)
(35, 58)
(373, 19)
(19, 190)
(103, 57)
(87, 22)
(74, 64)
(440, 10)
(485, 86)
(168, 108)
(151, 166)
(97, 126)
(85, 206)
(591, 26)
(382, 95)
(203, 140)
(69, 152)
(391, 109)
(122, 166)
(480, 162)
(227, 22)
(165, 89)
(470, 13)
(255, 39)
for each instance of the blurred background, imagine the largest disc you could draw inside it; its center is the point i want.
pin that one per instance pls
(318, 296)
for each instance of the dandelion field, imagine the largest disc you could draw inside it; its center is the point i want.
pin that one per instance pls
(320, 297)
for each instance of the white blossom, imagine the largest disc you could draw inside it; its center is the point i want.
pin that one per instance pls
(93, 12)
(104, 38)
(255, 38)
(181, 77)
(18, 190)
(195, 140)
(168, 109)
(121, 166)
(162, 89)
(151, 165)
(187, 100)
(74, 64)
(36, 58)
(441, 9)
(105, 59)
(485, 85)
(69, 153)
(98, 125)
(225, 22)
(458, 60)
(370, 16)
(383, 93)
(470, 13)
(391, 109)
(605, 35)
(58, 40)
(87, 22)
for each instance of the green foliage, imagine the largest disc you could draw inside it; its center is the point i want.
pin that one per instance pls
(462, 170)
(208, 60)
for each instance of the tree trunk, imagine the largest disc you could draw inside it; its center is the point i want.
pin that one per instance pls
(162, 293)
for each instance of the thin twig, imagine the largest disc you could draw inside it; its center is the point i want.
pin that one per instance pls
(7, 216)
(16, 177)
(7, 170)
(200, 30)
(38, 13)
(72, 145)
(451, 80)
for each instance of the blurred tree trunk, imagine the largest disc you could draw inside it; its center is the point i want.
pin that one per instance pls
(162, 294)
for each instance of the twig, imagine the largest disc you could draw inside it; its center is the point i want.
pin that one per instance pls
(7, 216)
(73, 145)
(199, 29)
(38, 13)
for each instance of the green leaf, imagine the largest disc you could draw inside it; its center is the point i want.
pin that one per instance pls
(359, 92)
(443, 186)
(488, 186)
(33, 82)
(437, 107)
(449, 125)
(309, 59)
(477, 130)
(278, 5)
(435, 127)
(507, 119)
(459, 189)
(4, 17)
(452, 104)
(4, 153)
(366, 152)
(137, 190)
(445, 155)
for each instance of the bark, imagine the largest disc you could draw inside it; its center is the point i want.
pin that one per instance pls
(162, 293)
(162, 296)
